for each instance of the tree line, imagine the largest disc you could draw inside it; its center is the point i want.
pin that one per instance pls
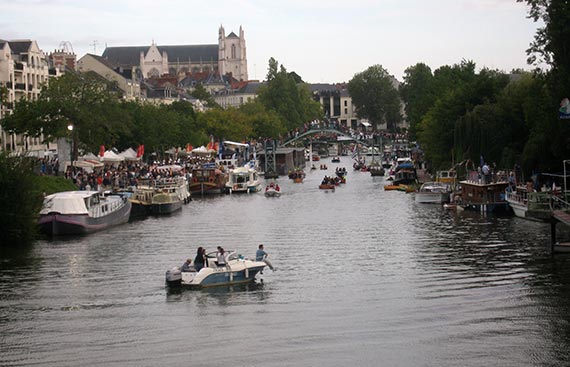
(99, 116)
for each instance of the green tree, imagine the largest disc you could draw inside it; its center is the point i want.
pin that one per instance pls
(375, 97)
(418, 94)
(263, 122)
(85, 101)
(292, 101)
(21, 200)
(226, 124)
(203, 95)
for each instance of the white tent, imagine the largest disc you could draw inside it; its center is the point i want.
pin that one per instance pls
(203, 150)
(90, 156)
(129, 155)
(110, 156)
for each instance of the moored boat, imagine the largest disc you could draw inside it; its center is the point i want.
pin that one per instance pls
(208, 179)
(82, 212)
(433, 193)
(238, 270)
(165, 201)
(529, 205)
(243, 180)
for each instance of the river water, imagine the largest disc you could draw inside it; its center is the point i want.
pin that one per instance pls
(364, 277)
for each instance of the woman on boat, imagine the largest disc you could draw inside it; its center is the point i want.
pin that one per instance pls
(200, 259)
(221, 257)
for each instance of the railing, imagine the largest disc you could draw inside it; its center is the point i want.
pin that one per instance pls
(559, 203)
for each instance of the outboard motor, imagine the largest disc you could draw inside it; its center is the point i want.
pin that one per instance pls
(174, 277)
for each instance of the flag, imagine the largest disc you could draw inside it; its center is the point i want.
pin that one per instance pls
(189, 148)
(139, 150)
(102, 151)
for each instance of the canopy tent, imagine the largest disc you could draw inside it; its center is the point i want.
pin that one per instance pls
(129, 155)
(203, 150)
(111, 156)
(90, 156)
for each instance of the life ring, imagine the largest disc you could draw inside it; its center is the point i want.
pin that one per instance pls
(211, 179)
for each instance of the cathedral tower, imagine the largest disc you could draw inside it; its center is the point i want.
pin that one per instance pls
(232, 54)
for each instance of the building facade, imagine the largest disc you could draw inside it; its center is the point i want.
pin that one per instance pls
(228, 56)
(24, 69)
(130, 88)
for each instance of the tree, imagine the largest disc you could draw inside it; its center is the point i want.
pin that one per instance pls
(291, 101)
(21, 200)
(374, 96)
(202, 94)
(418, 94)
(85, 101)
(263, 122)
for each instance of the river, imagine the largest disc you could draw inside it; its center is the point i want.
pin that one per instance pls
(364, 277)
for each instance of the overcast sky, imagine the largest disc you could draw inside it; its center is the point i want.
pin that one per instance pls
(322, 41)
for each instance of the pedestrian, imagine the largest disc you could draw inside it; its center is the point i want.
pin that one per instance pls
(261, 255)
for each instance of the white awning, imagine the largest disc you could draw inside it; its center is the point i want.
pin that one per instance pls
(367, 124)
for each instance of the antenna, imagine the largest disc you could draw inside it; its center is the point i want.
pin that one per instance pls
(94, 44)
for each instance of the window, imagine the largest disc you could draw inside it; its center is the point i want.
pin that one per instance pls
(345, 103)
(233, 54)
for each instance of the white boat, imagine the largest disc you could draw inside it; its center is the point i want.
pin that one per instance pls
(529, 205)
(81, 212)
(238, 270)
(272, 190)
(243, 179)
(433, 193)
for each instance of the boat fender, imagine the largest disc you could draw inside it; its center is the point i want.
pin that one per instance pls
(246, 272)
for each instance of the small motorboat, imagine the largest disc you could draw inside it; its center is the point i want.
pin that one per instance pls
(272, 190)
(335, 160)
(238, 270)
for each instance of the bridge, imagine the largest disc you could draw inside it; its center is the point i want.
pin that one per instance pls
(314, 131)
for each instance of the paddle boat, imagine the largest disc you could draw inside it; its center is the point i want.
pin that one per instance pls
(238, 270)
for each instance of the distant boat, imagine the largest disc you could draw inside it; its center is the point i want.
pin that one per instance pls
(82, 212)
(243, 179)
(272, 190)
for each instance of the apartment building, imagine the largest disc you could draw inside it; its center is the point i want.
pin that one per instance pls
(24, 69)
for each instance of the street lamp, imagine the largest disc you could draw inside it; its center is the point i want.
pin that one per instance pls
(70, 128)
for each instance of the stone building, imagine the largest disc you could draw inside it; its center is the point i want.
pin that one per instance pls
(24, 69)
(228, 56)
(123, 78)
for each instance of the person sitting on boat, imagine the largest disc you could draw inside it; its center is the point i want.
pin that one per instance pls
(200, 259)
(261, 255)
(221, 257)
(186, 266)
(277, 188)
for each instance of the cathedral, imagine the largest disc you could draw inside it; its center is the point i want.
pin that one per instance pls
(226, 57)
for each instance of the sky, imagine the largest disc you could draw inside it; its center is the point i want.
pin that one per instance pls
(322, 41)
